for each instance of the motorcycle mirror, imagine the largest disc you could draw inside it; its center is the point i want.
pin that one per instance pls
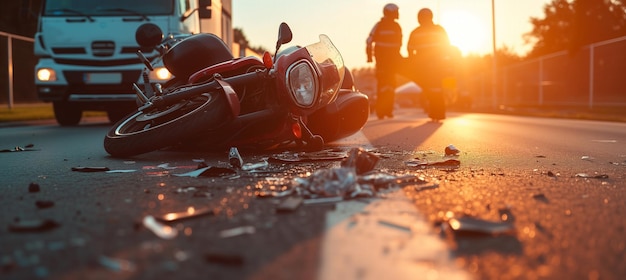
(284, 35)
(148, 35)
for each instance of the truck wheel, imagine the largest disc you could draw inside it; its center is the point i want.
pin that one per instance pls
(66, 113)
(147, 131)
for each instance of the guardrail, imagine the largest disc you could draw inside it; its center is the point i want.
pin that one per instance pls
(10, 38)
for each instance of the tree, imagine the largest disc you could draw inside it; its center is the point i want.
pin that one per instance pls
(569, 25)
(240, 38)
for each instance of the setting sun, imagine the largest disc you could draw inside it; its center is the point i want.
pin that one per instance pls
(466, 31)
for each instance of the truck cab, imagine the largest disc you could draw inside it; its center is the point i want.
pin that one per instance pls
(87, 51)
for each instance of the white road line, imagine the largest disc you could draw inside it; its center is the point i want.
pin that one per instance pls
(384, 239)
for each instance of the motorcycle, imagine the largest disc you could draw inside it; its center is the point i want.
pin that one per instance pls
(302, 95)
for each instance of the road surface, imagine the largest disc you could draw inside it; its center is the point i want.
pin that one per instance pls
(556, 185)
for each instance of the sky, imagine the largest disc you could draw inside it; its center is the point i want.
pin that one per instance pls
(348, 22)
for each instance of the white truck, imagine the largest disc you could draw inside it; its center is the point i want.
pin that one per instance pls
(87, 52)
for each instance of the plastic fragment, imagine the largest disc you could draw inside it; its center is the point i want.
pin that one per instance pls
(289, 205)
(41, 204)
(451, 150)
(253, 166)
(588, 176)
(361, 160)
(235, 158)
(160, 230)
(210, 171)
(222, 258)
(33, 187)
(322, 200)
(115, 264)
(453, 163)
(426, 187)
(90, 169)
(34, 225)
(325, 155)
(237, 231)
(470, 225)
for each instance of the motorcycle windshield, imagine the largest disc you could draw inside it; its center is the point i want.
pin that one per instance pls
(330, 63)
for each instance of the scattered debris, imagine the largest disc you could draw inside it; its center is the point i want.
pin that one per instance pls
(115, 264)
(34, 225)
(289, 205)
(426, 187)
(451, 150)
(226, 259)
(237, 231)
(161, 230)
(90, 169)
(587, 158)
(26, 148)
(190, 213)
(449, 163)
(325, 155)
(471, 225)
(33, 187)
(235, 158)
(588, 176)
(41, 204)
(254, 166)
(361, 160)
(210, 171)
(122, 171)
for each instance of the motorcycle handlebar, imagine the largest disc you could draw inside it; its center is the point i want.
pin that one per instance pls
(195, 90)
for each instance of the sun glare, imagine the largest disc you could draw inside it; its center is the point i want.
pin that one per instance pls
(466, 31)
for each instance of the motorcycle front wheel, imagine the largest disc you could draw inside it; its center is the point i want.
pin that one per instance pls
(156, 128)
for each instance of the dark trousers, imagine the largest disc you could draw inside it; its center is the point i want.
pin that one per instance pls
(385, 92)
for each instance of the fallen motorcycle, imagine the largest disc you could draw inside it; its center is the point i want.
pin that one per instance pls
(301, 96)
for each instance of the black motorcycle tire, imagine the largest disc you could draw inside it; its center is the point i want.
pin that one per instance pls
(143, 132)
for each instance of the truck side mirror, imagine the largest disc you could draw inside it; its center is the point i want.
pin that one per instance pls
(204, 9)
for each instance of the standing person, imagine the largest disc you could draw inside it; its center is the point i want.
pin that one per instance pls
(427, 48)
(386, 39)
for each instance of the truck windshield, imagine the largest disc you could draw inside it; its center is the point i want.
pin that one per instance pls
(108, 8)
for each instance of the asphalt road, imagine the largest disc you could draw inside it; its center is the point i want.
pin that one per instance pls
(556, 186)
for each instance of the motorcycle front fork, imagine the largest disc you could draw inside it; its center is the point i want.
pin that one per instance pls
(304, 136)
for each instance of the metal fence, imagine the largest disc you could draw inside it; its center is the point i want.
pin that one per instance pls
(16, 69)
(593, 76)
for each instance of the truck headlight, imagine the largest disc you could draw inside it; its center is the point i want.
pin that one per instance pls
(46, 75)
(302, 84)
(160, 73)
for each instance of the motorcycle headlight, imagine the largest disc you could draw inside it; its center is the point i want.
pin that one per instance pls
(160, 74)
(302, 84)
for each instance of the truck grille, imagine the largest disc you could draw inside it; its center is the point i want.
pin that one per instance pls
(103, 48)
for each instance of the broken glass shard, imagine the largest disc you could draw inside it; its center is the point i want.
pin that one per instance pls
(118, 265)
(471, 225)
(596, 176)
(210, 171)
(289, 205)
(253, 166)
(34, 225)
(161, 230)
(190, 213)
(90, 169)
(237, 231)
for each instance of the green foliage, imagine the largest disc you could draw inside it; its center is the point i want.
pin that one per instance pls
(568, 25)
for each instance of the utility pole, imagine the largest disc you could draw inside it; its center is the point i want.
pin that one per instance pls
(494, 73)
